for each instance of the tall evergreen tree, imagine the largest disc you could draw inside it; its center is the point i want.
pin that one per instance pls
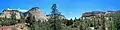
(55, 11)
(69, 22)
(115, 24)
(55, 21)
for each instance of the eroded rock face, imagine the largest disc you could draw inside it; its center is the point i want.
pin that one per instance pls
(37, 14)
(7, 14)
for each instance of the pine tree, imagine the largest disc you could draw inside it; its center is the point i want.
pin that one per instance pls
(55, 21)
(69, 22)
(115, 24)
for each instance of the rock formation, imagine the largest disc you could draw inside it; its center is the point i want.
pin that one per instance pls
(37, 14)
(34, 14)
(7, 14)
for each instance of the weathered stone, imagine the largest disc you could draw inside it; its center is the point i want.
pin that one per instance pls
(7, 14)
(37, 14)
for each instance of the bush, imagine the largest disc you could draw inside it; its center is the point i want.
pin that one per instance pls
(7, 22)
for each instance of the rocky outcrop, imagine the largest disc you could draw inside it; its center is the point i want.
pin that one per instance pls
(37, 14)
(34, 14)
(7, 14)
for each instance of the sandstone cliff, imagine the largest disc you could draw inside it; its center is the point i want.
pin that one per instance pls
(37, 14)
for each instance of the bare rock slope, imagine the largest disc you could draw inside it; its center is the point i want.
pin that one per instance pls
(37, 14)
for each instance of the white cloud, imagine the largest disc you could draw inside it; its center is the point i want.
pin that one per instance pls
(23, 10)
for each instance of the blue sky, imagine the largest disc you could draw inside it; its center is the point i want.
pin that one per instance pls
(69, 8)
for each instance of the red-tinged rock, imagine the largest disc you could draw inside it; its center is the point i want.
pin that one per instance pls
(0, 28)
(6, 28)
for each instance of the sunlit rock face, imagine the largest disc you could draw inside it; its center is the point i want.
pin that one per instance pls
(7, 14)
(37, 14)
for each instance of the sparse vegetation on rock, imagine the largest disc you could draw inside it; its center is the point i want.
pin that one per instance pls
(34, 19)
